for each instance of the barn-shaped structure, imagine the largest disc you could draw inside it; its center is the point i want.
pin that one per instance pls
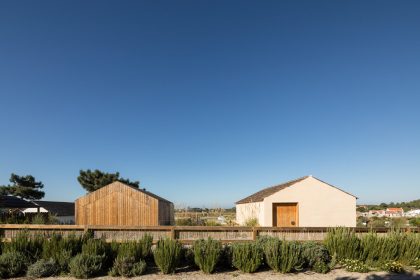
(304, 202)
(119, 204)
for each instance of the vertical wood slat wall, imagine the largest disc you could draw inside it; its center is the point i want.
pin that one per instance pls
(121, 205)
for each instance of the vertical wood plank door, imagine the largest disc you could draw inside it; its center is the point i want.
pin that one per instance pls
(285, 215)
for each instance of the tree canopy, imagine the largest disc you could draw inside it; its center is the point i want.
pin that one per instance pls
(94, 180)
(24, 187)
(414, 204)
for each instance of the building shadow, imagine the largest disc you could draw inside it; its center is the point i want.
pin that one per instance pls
(394, 276)
(388, 276)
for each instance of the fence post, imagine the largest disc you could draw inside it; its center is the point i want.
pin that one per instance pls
(254, 233)
(173, 233)
(86, 230)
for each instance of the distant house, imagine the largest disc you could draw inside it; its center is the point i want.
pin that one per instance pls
(304, 202)
(376, 213)
(412, 213)
(389, 212)
(118, 204)
(394, 212)
(63, 211)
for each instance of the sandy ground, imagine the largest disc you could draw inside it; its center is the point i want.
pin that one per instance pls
(337, 274)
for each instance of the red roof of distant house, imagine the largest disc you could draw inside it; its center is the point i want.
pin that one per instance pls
(395, 209)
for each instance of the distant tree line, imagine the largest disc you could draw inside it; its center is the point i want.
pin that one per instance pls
(414, 204)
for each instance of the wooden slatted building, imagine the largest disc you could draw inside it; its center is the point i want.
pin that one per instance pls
(118, 204)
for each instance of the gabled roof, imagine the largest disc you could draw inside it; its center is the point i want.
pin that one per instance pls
(57, 208)
(9, 201)
(143, 190)
(260, 195)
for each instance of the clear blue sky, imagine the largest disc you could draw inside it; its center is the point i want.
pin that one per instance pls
(206, 102)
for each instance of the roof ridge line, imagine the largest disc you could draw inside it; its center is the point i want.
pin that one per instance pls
(248, 199)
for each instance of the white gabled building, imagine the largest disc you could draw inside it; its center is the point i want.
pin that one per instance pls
(304, 202)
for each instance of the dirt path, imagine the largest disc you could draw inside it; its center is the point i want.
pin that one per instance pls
(337, 274)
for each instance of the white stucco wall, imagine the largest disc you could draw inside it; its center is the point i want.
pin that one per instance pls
(248, 211)
(319, 204)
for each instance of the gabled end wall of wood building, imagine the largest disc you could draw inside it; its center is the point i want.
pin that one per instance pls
(118, 204)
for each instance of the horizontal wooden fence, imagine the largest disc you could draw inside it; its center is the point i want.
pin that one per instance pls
(185, 234)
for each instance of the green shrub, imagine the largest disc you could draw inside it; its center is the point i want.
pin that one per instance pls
(31, 247)
(389, 247)
(344, 243)
(247, 257)
(321, 267)
(409, 250)
(13, 264)
(272, 250)
(354, 265)
(85, 266)
(52, 247)
(251, 222)
(61, 250)
(212, 223)
(44, 219)
(95, 247)
(371, 248)
(333, 262)
(100, 248)
(63, 259)
(394, 246)
(167, 254)
(140, 249)
(39, 219)
(282, 256)
(112, 252)
(316, 257)
(395, 267)
(185, 222)
(73, 243)
(43, 268)
(206, 254)
(145, 245)
(128, 267)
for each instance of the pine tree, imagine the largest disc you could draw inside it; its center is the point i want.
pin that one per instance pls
(24, 187)
(94, 180)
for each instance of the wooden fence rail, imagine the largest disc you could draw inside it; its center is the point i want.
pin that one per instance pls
(185, 234)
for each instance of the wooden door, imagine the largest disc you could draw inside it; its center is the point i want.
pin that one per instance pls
(285, 215)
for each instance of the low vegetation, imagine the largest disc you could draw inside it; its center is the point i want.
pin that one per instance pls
(389, 252)
(43, 268)
(167, 255)
(247, 257)
(13, 264)
(85, 257)
(130, 258)
(85, 266)
(206, 254)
